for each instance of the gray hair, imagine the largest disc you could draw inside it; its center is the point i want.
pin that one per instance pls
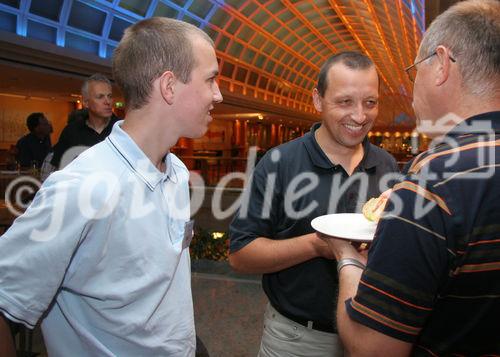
(148, 49)
(97, 77)
(471, 30)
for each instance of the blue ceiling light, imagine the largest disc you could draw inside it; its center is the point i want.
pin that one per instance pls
(95, 26)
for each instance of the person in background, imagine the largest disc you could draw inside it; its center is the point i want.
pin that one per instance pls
(333, 162)
(78, 114)
(431, 285)
(100, 256)
(34, 146)
(91, 125)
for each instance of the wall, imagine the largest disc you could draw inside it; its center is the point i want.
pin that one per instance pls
(217, 137)
(15, 109)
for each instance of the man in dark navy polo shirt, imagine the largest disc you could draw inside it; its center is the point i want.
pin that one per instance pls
(93, 126)
(331, 169)
(431, 286)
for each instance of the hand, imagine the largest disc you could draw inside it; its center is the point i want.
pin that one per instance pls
(385, 195)
(341, 248)
(321, 246)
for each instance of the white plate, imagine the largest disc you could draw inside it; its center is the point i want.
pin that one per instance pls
(351, 226)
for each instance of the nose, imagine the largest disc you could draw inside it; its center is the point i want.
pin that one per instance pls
(358, 114)
(217, 94)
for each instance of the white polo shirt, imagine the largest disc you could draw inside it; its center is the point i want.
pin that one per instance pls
(101, 251)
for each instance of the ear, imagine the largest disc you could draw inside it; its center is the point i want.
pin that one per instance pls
(317, 100)
(167, 83)
(85, 102)
(444, 65)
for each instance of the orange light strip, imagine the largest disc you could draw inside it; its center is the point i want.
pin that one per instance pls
(311, 28)
(236, 14)
(353, 33)
(288, 79)
(409, 52)
(259, 71)
(402, 63)
(381, 34)
(288, 48)
(334, 30)
(381, 55)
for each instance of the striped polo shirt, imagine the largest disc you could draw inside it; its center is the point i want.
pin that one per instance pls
(433, 272)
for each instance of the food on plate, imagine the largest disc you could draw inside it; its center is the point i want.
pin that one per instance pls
(372, 210)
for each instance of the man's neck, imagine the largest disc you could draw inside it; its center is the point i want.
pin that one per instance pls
(97, 123)
(473, 110)
(348, 157)
(465, 107)
(39, 136)
(154, 139)
(469, 105)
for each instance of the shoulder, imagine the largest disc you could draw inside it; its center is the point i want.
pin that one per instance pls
(177, 162)
(382, 154)
(383, 160)
(98, 168)
(178, 166)
(73, 127)
(297, 143)
(459, 155)
(23, 140)
(98, 158)
(287, 152)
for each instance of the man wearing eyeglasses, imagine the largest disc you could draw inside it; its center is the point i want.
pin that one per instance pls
(431, 284)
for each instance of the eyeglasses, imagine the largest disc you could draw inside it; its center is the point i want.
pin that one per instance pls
(411, 71)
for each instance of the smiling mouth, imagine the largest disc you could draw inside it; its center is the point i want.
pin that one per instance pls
(354, 127)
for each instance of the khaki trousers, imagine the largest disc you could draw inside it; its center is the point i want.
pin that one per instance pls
(283, 337)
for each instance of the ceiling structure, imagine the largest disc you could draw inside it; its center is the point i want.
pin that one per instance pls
(270, 51)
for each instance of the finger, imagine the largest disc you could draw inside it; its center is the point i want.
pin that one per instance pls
(360, 246)
(386, 193)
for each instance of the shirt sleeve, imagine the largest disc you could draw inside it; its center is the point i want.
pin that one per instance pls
(256, 216)
(407, 263)
(38, 248)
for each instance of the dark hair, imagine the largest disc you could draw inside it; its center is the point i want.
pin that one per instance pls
(33, 120)
(78, 114)
(353, 60)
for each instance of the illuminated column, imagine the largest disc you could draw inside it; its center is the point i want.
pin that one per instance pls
(237, 133)
(274, 135)
(414, 142)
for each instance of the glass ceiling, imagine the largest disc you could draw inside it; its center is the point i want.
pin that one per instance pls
(270, 51)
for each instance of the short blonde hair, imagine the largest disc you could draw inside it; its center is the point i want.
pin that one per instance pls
(148, 49)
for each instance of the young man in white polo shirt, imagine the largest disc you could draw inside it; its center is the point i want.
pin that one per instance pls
(100, 256)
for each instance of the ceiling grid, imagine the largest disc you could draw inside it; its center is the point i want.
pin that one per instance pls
(270, 51)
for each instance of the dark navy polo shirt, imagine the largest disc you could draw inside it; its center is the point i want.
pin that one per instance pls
(292, 184)
(78, 133)
(433, 272)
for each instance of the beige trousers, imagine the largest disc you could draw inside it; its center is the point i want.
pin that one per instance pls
(283, 337)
